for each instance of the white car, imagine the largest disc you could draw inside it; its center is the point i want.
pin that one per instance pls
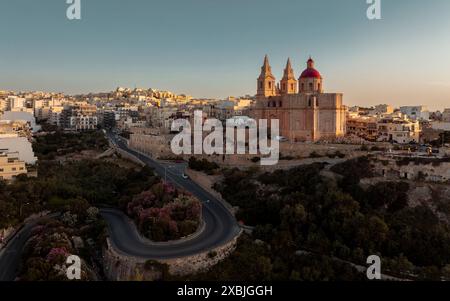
(281, 139)
(185, 176)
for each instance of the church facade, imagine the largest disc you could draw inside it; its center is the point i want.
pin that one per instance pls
(304, 111)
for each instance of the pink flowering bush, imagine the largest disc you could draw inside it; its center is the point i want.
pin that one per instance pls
(165, 213)
(57, 255)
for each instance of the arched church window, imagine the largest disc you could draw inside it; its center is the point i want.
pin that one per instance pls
(280, 104)
(311, 87)
(309, 103)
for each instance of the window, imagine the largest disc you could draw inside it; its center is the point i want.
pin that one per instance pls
(14, 169)
(311, 87)
(261, 85)
(270, 85)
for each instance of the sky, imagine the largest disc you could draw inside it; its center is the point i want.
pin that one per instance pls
(215, 48)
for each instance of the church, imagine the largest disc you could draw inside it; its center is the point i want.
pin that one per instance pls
(304, 111)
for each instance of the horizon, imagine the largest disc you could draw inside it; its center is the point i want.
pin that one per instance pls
(199, 97)
(210, 49)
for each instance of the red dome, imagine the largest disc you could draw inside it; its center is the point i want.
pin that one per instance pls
(311, 73)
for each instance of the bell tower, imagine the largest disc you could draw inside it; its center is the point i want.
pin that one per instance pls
(266, 81)
(288, 83)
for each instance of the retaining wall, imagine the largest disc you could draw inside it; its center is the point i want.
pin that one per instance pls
(120, 267)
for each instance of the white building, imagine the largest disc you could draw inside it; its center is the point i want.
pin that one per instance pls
(16, 102)
(54, 115)
(82, 122)
(20, 145)
(441, 126)
(416, 112)
(22, 117)
(398, 130)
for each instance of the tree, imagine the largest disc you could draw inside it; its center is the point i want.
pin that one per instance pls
(430, 273)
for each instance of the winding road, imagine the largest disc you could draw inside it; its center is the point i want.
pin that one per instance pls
(220, 226)
(11, 254)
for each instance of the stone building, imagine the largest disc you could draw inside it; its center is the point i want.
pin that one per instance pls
(365, 127)
(304, 111)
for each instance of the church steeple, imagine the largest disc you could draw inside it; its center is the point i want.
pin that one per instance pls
(288, 83)
(266, 80)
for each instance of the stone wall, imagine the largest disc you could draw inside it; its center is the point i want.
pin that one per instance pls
(156, 146)
(389, 168)
(120, 267)
(159, 147)
(5, 235)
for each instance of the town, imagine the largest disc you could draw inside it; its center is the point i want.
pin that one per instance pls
(145, 117)
(209, 147)
(104, 158)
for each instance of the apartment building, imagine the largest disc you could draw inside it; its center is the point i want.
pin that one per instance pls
(416, 112)
(365, 127)
(11, 166)
(20, 145)
(79, 117)
(55, 115)
(399, 130)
